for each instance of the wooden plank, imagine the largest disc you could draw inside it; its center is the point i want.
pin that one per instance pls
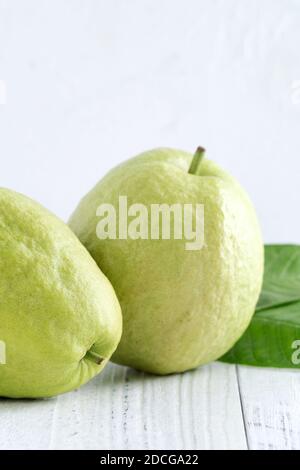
(271, 403)
(26, 424)
(126, 409)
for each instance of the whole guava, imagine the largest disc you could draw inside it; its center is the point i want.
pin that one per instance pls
(60, 320)
(181, 307)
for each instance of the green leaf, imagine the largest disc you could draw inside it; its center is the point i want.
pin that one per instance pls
(271, 338)
(282, 276)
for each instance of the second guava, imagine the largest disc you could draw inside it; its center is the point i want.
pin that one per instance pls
(181, 307)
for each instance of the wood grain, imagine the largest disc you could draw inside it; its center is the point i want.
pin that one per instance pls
(126, 409)
(271, 403)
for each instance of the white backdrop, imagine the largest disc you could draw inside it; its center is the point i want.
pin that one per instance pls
(87, 84)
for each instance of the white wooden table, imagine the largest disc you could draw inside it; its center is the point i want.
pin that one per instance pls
(219, 406)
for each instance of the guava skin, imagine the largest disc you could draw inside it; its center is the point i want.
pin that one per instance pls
(60, 317)
(180, 308)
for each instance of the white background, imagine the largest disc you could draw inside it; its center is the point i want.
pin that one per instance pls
(91, 83)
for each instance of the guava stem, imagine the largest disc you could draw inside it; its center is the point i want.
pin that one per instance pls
(196, 162)
(94, 357)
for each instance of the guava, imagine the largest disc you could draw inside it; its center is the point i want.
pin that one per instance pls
(181, 307)
(60, 320)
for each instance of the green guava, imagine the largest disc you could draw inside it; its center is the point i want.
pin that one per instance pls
(181, 307)
(60, 317)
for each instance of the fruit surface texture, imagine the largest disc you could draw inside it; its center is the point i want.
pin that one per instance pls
(181, 308)
(60, 317)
